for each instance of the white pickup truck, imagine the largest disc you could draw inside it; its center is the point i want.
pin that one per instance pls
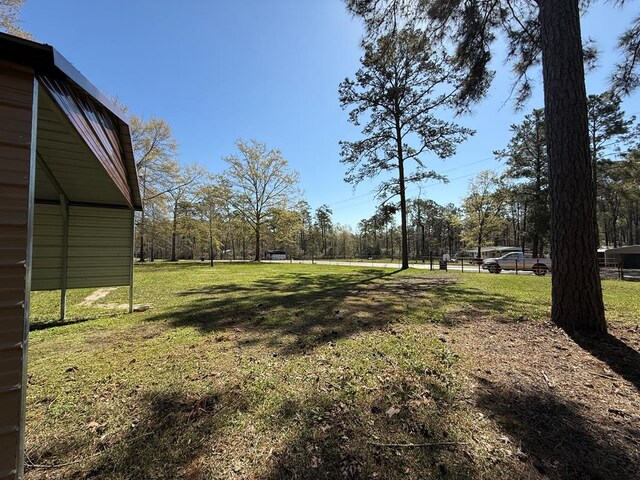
(517, 261)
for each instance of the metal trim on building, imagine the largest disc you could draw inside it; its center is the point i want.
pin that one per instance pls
(28, 264)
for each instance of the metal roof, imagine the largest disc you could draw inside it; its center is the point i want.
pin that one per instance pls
(47, 62)
(628, 250)
(496, 248)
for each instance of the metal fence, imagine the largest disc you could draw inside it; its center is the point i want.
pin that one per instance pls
(608, 270)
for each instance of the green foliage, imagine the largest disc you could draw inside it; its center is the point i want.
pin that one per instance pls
(398, 89)
(620, 199)
(403, 82)
(325, 224)
(261, 183)
(472, 28)
(437, 227)
(483, 209)
(528, 167)
(607, 121)
(626, 75)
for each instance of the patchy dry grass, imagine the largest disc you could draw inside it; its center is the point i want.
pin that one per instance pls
(280, 371)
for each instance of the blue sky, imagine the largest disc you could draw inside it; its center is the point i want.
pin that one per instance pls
(221, 70)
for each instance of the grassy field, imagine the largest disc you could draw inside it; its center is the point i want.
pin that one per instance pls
(273, 371)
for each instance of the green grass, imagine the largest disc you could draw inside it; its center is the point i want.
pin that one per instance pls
(268, 371)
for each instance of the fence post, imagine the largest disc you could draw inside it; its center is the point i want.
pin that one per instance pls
(516, 266)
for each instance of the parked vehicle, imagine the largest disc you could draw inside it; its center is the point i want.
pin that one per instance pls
(517, 261)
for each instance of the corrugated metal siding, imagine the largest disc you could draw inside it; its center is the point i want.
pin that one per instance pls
(46, 273)
(16, 95)
(100, 249)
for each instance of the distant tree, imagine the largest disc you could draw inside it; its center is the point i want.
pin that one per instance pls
(260, 180)
(608, 125)
(453, 227)
(211, 199)
(156, 226)
(180, 189)
(154, 149)
(528, 165)
(9, 18)
(385, 220)
(283, 227)
(483, 209)
(304, 235)
(400, 87)
(516, 208)
(431, 222)
(620, 198)
(369, 235)
(325, 224)
(346, 241)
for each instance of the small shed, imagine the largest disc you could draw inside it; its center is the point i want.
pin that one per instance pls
(68, 194)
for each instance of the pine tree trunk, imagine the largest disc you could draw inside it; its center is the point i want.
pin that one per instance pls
(576, 290)
(404, 240)
(403, 217)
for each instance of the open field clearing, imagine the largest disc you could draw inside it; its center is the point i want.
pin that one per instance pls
(276, 371)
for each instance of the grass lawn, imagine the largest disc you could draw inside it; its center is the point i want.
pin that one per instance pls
(270, 371)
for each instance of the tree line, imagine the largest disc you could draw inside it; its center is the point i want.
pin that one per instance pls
(256, 205)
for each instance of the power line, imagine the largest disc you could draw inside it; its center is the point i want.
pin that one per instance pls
(413, 189)
(371, 192)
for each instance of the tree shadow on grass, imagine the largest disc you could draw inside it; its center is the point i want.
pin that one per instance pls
(167, 437)
(253, 426)
(186, 436)
(43, 324)
(291, 312)
(556, 438)
(295, 312)
(619, 357)
(40, 325)
(334, 440)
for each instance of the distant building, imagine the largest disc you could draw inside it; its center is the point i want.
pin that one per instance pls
(489, 252)
(626, 257)
(275, 255)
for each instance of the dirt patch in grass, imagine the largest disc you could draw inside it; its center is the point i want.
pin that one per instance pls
(569, 407)
(99, 294)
